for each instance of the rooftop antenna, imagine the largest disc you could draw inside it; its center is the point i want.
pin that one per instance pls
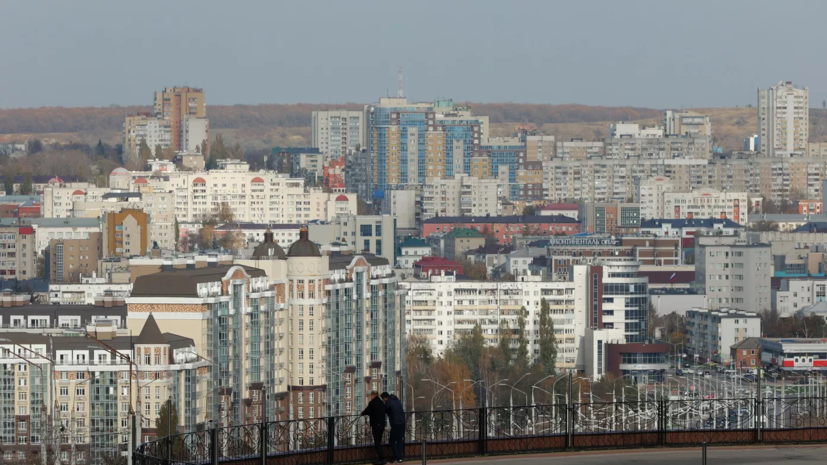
(399, 93)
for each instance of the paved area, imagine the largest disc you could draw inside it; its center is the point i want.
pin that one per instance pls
(795, 455)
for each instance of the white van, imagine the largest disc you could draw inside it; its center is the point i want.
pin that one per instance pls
(730, 373)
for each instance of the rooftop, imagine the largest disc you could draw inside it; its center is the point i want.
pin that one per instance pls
(516, 219)
(339, 262)
(184, 282)
(414, 242)
(690, 223)
(256, 226)
(464, 232)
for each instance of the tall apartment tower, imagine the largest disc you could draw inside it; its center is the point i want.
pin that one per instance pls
(334, 132)
(174, 104)
(783, 119)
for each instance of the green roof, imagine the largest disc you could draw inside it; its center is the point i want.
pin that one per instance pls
(413, 242)
(464, 232)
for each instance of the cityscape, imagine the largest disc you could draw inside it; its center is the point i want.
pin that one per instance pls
(405, 278)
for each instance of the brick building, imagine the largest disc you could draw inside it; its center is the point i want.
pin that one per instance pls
(746, 353)
(504, 228)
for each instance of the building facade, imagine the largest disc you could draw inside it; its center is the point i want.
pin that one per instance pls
(733, 273)
(335, 132)
(710, 333)
(173, 106)
(72, 259)
(783, 120)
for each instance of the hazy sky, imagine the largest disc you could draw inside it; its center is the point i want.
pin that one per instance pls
(643, 53)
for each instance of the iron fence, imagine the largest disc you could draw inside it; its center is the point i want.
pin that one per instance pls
(505, 430)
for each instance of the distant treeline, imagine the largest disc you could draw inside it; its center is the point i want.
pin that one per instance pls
(68, 120)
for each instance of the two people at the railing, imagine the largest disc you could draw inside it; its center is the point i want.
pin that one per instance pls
(377, 409)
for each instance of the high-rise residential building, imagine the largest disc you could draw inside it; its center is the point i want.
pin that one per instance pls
(335, 132)
(87, 391)
(404, 205)
(297, 332)
(783, 120)
(145, 127)
(733, 273)
(411, 142)
(359, 174)
(463, 196)
(686, 123)
(174, 104)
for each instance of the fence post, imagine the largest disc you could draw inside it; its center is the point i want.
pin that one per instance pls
(168, 459)
(483, 431)
(214, 446)
(759, 408)
(569, 415)
(703, 453)
(425, 451)
(263, 442)
(331, 438)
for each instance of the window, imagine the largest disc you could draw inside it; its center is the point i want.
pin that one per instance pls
(378, 228)
(80, 391)
(64, 390)
(366, 230)
(366, 247)
(378, 246)
(157, 392)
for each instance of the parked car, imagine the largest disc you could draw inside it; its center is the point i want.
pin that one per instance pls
(678, 372)
(699, 372)
(750, 378)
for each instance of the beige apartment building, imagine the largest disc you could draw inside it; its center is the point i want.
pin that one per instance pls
(72, 259)
(783, 120)
(173, 105)
(153, 129)
(18, 255)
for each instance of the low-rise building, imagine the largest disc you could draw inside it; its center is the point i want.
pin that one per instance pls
(374, 234)
(503, 228)
(428, 266)
(794, 354)
(411, 251)
(687, 229)
(799, 293)
(458, 241)
(711, 332)
(745, 354)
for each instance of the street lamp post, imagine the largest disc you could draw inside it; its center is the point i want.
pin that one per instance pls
(533, 404)
(490, 415)
(473, 383)
(511, 403)
(453, 402)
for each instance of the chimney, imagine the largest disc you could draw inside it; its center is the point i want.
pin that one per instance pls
(166, 265)
(190, 264)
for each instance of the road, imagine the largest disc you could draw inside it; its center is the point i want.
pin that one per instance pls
(793, 455)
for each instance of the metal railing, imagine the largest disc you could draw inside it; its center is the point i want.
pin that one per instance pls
(506, 430)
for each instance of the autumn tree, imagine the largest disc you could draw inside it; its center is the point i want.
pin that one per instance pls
(529, 210)
(144, 154)
(207, 233)
(8, 183)
(474, 270)
(237, 153)
(470, 348)
(166, 425)
(218, 150)
(522, 360)
(490, 238)
(504, 344)
(26, 188)
(225, 213)
(203, 148)
(548, 341)
(159, 152)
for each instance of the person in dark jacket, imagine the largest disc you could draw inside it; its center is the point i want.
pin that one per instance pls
(376, 413)
(396, 416)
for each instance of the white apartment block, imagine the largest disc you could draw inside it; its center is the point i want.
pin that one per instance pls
(58, 202)
(194, 131)
(442, 310)
(686, 123)
(797, 294)
(650, 196)
(335, 132)
(783, 120)
(634, 131)
(733, 273)
(254, 197)
(463, 196)
(710, 332)
(403, 205)
(144, 127)
(706, 203)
